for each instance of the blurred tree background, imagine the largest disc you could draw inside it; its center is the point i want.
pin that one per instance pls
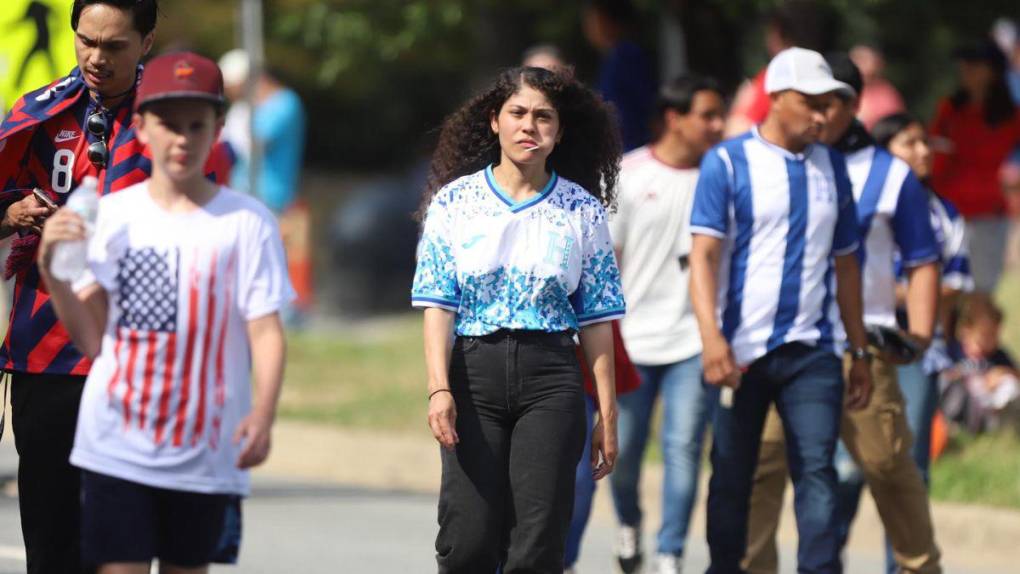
(378, 76)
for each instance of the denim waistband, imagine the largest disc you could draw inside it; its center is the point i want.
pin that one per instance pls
(546, 337)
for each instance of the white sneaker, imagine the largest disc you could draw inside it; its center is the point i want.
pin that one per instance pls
(628, 549)
(668, 564)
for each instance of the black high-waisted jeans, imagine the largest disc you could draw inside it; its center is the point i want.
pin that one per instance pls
(508, 488)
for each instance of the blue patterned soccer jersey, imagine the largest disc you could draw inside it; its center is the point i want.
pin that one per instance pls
(543, 264)
(891, 204)
(781, 216)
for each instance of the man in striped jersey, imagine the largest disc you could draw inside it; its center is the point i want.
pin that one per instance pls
(892, 208)
(773, 221)
(54, 137)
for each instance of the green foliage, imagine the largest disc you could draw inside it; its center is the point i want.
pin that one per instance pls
(378, 75)
(361, 38)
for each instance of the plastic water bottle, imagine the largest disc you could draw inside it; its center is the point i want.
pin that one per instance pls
(69, 257)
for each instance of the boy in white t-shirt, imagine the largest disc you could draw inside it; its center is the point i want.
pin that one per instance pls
(179, 307)
(651, 235)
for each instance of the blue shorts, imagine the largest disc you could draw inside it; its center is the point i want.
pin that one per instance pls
(124, 521)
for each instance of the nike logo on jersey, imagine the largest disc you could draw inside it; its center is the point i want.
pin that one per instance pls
(472, 242)
(66, 135)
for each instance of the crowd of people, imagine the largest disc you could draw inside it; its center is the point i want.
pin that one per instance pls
(810, 290)
(804, 288)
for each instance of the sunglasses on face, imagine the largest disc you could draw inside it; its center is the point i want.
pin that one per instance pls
(98, 151)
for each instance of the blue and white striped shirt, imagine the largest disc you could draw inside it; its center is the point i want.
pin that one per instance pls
(951, 236)
(782, 216)
(950, 233)
(891, 208)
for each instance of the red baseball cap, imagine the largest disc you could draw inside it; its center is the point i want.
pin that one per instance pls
(180, 75)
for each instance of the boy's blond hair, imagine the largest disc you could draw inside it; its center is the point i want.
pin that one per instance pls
(978, 307)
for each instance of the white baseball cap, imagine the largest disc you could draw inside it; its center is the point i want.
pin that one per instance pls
(803, 71)
(235, 65)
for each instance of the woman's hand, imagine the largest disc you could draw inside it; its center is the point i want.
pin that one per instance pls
(443, 419)
(64, 225)
(604, 446)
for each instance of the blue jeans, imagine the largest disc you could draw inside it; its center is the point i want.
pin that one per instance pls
(584, 492)
(806, 384)
(687, 404)
(920, 393)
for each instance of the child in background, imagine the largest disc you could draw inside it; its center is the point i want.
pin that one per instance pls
(983, 387)
(181, 308)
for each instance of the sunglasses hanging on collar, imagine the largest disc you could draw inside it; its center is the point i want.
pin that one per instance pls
(98, 151)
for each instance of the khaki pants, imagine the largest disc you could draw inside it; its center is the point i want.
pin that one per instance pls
(879, 440)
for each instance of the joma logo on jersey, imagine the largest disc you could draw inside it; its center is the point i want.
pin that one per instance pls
(472, 242)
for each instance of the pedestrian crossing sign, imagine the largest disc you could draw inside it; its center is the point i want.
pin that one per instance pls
(38, 46)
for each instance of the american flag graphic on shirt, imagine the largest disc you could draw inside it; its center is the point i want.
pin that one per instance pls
(169, 345)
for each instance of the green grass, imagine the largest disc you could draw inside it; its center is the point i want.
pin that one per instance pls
(374, 377)
(981, 470)
(368, 377)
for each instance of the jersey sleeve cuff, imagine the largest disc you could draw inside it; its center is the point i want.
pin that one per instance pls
(846, 250)
(920, 259)
(711, 231)
(958, 281)
(424, 301)
(600, 316)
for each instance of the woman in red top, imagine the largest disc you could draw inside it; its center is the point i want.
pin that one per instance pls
(973, 133)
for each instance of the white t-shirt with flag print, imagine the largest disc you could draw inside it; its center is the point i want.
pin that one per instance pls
(172, 380)
(543, 264)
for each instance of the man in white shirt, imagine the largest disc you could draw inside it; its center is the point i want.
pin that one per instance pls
(651, 235)
(773, 222)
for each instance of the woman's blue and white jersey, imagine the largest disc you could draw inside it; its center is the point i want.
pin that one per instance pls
(543, 264)
(782, 217)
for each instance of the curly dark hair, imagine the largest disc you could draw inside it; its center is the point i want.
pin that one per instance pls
(588, 153)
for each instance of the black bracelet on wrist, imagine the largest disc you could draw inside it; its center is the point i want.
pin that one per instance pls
(437, 391)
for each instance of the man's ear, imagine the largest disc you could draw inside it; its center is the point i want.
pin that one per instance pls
(670, 116)
(138, 122)
(147, 43)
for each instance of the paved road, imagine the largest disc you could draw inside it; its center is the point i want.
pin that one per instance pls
(302, 527)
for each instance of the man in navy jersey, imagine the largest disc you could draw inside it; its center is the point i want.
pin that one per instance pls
(54, 137)
(773, 222)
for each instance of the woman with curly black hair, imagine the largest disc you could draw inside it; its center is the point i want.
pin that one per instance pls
(515, 258)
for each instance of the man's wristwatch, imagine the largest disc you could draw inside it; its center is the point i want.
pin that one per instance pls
(859, 353)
